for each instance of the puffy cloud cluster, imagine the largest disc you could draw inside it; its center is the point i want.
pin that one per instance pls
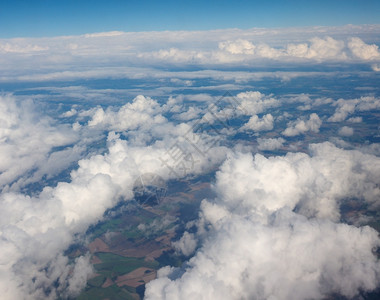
(248, 103)
(254, 102)
(300, 126)
(271, 233)
(27, 140)
(238, 47)
(36, 230)
(319, 49)
(376, 67)
(241, 50)
(344, 108)
(362, 50)
(247, 48)
(257, 124)
(284, 260)
(175, 55)
(307, 102)
(270, 143)
(141, 112)
(33, 236)
(346, 131)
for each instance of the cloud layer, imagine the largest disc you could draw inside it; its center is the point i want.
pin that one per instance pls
(134, 55)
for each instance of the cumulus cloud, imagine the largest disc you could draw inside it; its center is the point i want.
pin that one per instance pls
(33, 235)
(318, 49)
(175, 55)
(346, 131)
(187, 244)
(238, 47)
(27, 139)
(249, 103)
(143, 111)
(35, 230)
(270, 143)
(254, 102)
(355, 120)
(190, 114)
(308, 102)
(313, 185)
(283, 260)
(259, 241)
(300, 126)
(242, 50)
(376, 68)
(362, 50)
(344, 108)
(257, 124)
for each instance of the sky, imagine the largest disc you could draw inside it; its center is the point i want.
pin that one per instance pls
(40, 18)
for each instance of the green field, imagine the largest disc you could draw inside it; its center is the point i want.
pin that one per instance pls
(114, 265)
(113, 292)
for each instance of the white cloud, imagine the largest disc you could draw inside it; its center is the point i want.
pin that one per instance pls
(187, 244)
(284, 260)
(308, 102)
(254, 102)
(70, 113)
(376, 68)
(300, 126)
(344, 108)
(368, 103)
(348, 107)
(104, 34)
(318, 49)
(143, 111)
(257, 124)
(355, 120)
(35, 230)
(313, 184)
(175, 55)
(190, 114)
(253, 246)
(346, 131)
(270, 143)
(238, 47)
(15, 48)
(57, 58)
(27, 139)
(362, 50)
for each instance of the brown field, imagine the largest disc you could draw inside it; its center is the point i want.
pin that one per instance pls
(98, 245)
(137, 277)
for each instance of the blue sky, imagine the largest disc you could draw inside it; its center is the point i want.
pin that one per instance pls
(23, 18)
